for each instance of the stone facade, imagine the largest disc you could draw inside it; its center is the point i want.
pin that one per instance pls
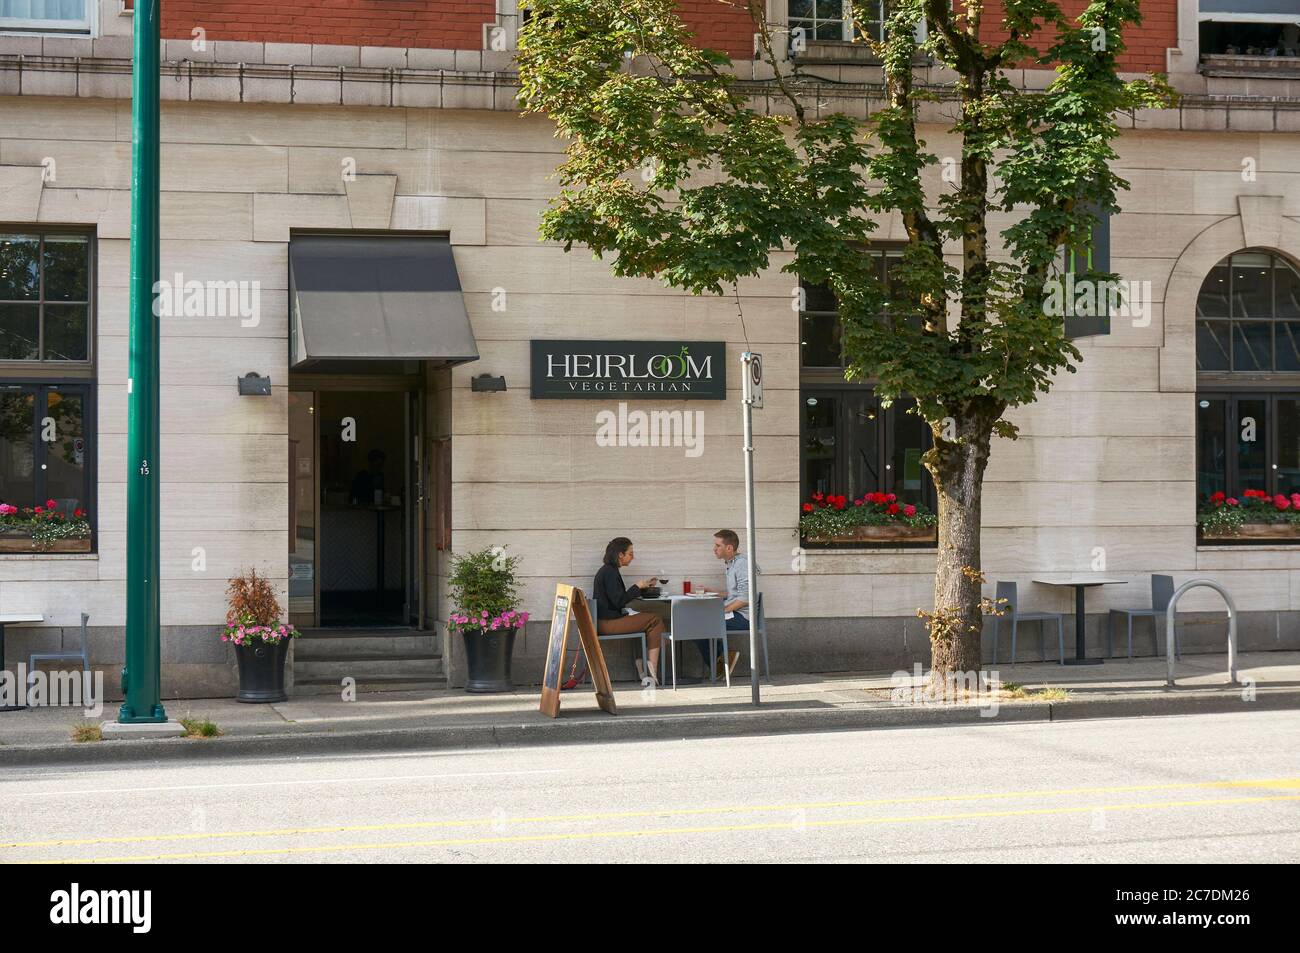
(254, 143)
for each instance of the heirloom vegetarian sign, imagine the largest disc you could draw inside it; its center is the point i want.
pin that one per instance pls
(682, 370)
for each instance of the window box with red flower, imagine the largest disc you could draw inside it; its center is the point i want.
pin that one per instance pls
(1254, 516)
(43, 529)
(871, 518)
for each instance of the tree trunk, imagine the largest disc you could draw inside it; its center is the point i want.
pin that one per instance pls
(958, 469)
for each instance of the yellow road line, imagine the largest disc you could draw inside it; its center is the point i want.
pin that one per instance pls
(1280, 783)
(717, 829)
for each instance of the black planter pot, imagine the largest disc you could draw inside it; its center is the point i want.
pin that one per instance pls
(261, 672)
(488, 653)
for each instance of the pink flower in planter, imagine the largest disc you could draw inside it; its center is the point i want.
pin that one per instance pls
(909, 510)
(1281, 502)
(1232, 501)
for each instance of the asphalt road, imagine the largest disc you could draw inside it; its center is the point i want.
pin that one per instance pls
(1172, 789)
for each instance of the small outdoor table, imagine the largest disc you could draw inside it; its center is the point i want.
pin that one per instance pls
(1080, 583)
(6, 620)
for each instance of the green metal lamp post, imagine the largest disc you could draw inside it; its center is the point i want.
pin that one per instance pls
(141, 677)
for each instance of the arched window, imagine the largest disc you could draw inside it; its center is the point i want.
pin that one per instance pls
(1248, 379)
(1248, 315)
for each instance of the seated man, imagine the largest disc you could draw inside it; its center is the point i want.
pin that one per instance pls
(736, 608)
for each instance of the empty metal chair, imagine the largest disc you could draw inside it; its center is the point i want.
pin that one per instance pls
(1011, 610)
(83, 654)
(1162, 590)
(695, 619)
(595, 618)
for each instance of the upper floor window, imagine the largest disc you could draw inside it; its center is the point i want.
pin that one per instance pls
(1249, 28)
(45, 299)
(833, 19)
(819, 319)
(1248, 315)
(45, 16)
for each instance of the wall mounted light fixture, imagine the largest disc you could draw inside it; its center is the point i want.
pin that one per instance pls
(486, 382)
(253, 384)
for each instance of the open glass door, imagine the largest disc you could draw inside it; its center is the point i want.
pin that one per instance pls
(415, 515)
(303, 500)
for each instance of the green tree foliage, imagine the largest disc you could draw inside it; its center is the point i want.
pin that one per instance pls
(675, 171)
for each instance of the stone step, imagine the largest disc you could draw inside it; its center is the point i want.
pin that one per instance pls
(420, 667)
(374, 683)
(367, 643)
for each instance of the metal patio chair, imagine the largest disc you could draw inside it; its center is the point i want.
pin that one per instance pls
(640, 636)
(694, 619)
(83, 654)
(1162, 590)
(1007, 591)
(740, 633)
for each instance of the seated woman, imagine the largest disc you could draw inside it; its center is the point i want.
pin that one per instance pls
(612, 597)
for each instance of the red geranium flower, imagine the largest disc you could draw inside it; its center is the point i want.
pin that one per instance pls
(807, 508)
(1232, 501)
(893, 508)
(890, 498)
(1217, 498)
(909, 510)
(51, 504)
(1281, 502)
(78, 512)
(839, 502)
(817, 497)
(40, 509)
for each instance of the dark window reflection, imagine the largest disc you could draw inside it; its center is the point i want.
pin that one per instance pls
(820, 414)
(1211, 447)
(65, 475)
(17, 447)
(1288, 446)
(20, 332)
(20, 278)
(1252, 444)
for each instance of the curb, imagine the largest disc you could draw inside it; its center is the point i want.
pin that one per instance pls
(599, 728)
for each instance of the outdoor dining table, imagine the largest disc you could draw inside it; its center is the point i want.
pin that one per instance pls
(1080, 583)
(5, 620)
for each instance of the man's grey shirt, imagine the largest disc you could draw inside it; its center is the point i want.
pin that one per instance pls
(738, 578)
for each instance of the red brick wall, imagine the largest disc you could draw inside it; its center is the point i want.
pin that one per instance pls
(721, 25)
(427, 24)
(1145, 44)
(457, 24)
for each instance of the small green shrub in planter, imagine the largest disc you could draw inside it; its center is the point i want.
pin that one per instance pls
(484, 591)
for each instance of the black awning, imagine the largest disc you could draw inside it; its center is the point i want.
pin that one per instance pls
(376, 298)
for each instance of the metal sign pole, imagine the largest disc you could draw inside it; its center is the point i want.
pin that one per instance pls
(752, 370)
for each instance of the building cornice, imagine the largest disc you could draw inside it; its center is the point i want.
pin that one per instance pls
(392, 86)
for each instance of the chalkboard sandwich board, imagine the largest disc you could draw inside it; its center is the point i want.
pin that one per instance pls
(570, 602)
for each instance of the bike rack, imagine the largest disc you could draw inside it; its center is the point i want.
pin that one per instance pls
(1170, 641)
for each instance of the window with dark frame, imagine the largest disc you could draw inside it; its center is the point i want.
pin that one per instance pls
(1248, 377)
(1248, 315)
(1247, 441)
(849, 444)
(47, 387)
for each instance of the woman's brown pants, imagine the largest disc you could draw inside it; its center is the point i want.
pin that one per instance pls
(646, 622)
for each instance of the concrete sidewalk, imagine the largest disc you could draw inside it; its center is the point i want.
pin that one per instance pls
(325, 724)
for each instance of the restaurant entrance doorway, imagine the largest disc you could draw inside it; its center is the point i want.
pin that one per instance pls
(356, 505)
